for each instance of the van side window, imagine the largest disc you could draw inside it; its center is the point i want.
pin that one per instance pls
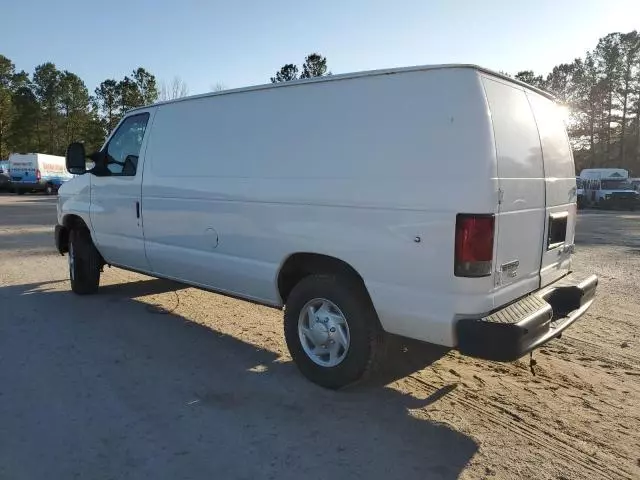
(124, 147)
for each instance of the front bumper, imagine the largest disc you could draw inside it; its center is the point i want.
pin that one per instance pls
(515, 330)
(616, 201)
(62, 239)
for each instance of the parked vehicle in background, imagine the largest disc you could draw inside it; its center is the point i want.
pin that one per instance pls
(5, 180)
(609, 188)
(338, 218)
(37, 172)
(579, 192)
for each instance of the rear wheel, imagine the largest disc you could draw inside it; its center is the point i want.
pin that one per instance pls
(332, 330)
(19, 191)
(85, 263)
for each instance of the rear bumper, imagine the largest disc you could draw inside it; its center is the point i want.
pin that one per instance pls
(36, 186)
(515, 330)
(28, 186)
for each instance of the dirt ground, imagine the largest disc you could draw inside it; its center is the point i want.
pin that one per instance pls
(149, 379)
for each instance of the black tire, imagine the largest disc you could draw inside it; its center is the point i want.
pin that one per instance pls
(364, 329)
(49, 189)
(85, 263)
(19, 191)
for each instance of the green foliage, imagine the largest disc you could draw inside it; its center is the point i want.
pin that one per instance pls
(7, 72)
(527, 76)
(603, 92)
(52, 108)
(315, 65)
(287, 73)
(24, 134)
(129, 95)
(108, 101)
(147, 87)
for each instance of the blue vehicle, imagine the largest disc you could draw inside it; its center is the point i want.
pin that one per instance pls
(5, 180)
(37, 172)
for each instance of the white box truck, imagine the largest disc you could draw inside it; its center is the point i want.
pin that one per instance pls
(325, 196)
(37, 172)
(609, 188)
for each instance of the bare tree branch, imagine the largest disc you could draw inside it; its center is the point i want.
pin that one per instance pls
(176, 89)
(218, 87)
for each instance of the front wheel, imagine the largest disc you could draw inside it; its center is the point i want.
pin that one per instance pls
(84, 263)
(332, 330)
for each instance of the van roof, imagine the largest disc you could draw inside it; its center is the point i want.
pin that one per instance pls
(346, 76)
(604, 173)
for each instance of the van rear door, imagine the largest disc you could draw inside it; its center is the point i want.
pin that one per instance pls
(521, 191)
(23, 168)
(560, 189)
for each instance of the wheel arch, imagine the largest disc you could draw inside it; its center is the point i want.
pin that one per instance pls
(302, 264)
(70, 221)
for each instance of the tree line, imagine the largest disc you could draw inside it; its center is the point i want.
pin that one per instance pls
(602, 91)
(47, 110)
(314, 65)
(50, 108)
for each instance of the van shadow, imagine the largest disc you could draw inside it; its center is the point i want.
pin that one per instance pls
(101, 387)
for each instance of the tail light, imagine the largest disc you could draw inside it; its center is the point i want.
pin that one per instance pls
(38, 176)
(474, 245)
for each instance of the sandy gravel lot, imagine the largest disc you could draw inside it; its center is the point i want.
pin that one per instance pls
(149, 379)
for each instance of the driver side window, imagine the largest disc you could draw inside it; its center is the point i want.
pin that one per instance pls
(124, 147)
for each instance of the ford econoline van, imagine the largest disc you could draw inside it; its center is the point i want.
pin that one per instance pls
(331, 197)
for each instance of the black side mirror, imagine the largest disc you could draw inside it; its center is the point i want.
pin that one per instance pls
(76, 159)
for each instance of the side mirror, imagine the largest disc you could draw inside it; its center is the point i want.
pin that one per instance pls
(76, 159)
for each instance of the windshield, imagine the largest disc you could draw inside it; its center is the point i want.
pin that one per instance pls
(616, 185)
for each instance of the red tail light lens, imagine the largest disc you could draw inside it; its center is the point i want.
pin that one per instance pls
(38, 176)
(474, 245)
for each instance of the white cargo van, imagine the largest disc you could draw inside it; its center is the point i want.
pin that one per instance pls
(319, 196)
(37, 172)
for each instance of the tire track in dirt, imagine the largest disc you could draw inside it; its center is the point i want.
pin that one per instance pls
(548, 440)
(618, 359)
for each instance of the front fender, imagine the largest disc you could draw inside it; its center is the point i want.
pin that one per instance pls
(74, 199)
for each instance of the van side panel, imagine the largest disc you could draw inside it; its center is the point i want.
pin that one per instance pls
(519, 224)
(53, 169)
(370, 170)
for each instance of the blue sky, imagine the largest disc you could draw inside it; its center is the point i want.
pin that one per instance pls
(244, 42)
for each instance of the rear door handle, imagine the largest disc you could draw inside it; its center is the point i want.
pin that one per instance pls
(137, 209)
